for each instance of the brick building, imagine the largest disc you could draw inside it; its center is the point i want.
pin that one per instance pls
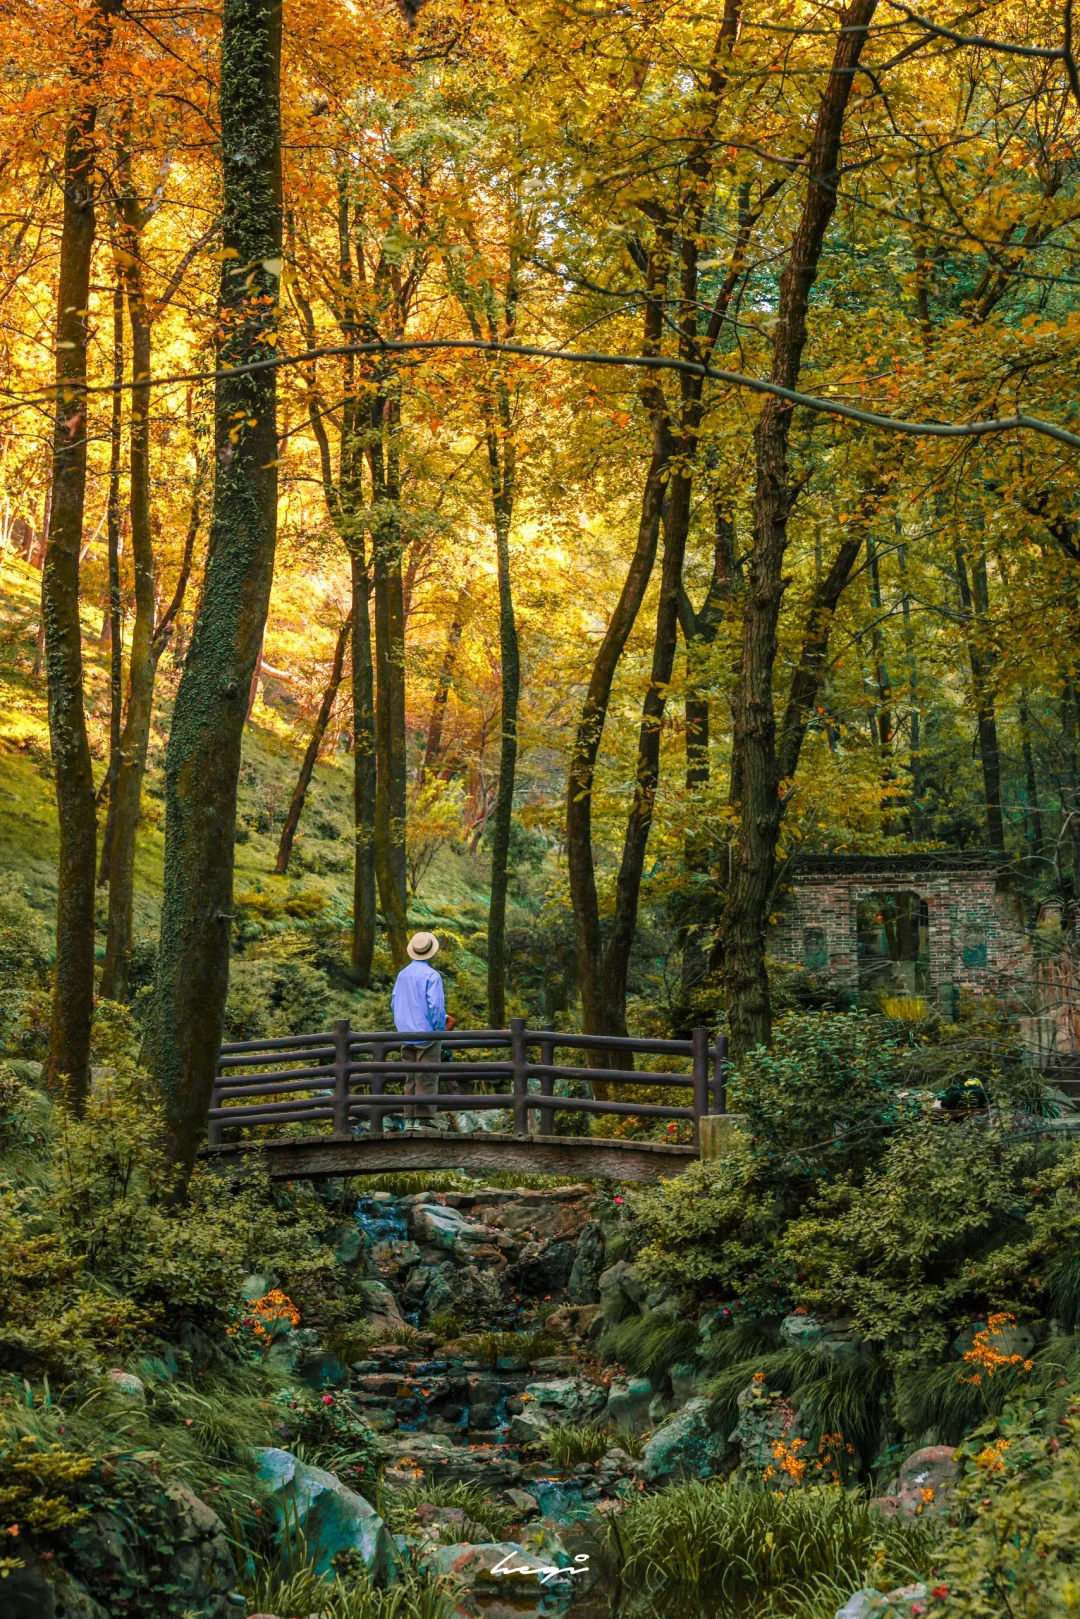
(932, 924)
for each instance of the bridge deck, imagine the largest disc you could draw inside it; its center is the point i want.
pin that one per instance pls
(481, 1153)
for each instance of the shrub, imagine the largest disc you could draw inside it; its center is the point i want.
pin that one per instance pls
(822, 1099)
(715, 1227)
(399, 1508)
(25, 954)
(906, 1256)
(269, 996)
(521, 1347)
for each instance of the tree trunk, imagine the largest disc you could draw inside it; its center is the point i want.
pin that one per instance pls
(68, 1064)
(311, 755)
(142, 659)
(112, 610)
(363, 695)
(1031, 783)
(742, 934)
(443, 682)
(510, 666)
(203, 758)
(582, 767)
(390, 759)
(639, 823)
(975, 602)
(810, 668)
(915, 715)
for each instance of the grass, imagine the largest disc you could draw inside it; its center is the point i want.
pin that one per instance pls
(521, 1347)
(651, 1345)
(570, 1446)
(284, 1583)
(203, 1435)
(398, 1509)
(746, 1544)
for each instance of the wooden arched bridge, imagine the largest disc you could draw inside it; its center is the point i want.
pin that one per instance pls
(348, 1087)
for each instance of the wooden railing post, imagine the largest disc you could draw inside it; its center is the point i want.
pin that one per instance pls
(341, 1077)
(377, 1088)
(720, 1075)
(700, 1041)
(519, 1059)
(547, 1087)
(214, 1132)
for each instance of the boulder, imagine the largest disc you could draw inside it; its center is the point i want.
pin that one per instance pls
(685, 1447)
(381, 1311)
(480, 1564)
(573, 1321)
(333, 1518)
(588, 1267)
(126, 1383)
(685, 1382)
(926, 1485)
(43, 1590)
(256, 1286)
(1010, 1338)
(769, 1429)
(522, 1502)
(835, 1338)
(528, 1427)
(455, 1520)
(906, 1602)
(189, 1547)
(347, 1242)
(387, 1260)
(566, 1401)
(322, 1370)
(628, 1405)
(622, 1293)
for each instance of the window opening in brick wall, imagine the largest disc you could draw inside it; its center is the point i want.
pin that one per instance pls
(894, 944)
(973, 945)
(815, 951)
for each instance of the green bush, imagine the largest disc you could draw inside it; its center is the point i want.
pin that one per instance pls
(269, 995)
(1015, 1553)
(715, 1229)
(25, 955)
(822, 1099)
(907, 1256)
(399, 1507)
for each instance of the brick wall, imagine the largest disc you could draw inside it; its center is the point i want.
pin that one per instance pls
(976, 933)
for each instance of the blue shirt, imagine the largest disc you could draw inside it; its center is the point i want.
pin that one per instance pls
(417, 1002)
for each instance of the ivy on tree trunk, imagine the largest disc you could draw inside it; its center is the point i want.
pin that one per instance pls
(203, 758)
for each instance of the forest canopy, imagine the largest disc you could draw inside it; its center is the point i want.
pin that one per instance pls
(392, 379)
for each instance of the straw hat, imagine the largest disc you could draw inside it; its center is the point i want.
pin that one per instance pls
(422, 946)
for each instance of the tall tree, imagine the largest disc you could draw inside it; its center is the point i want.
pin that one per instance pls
(73, 992)
(742, 929)
(203, 757)
(311, 752)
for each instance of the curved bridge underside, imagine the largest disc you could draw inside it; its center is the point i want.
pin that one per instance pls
(482, 1153)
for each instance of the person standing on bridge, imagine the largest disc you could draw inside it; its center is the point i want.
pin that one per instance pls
(418, 1005)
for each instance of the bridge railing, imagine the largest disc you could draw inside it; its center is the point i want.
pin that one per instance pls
(341, 1077)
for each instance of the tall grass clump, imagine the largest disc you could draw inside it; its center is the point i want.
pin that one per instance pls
(650, 1345)
(569, 1446)
(398, 1508)
(284, 1582)
(521, 1347)
(747, 1543)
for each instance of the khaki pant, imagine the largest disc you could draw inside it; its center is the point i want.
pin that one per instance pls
(418, 1082)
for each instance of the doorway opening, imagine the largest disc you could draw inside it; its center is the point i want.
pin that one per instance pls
(893, 944)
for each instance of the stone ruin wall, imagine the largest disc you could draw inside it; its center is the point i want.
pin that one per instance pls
(978, 944)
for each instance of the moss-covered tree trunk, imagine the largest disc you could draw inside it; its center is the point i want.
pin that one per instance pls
(111, 629)
(73, 985)
(363, 697)
(142, 659)
(203, 758)
(390, 758)
(755, 765)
